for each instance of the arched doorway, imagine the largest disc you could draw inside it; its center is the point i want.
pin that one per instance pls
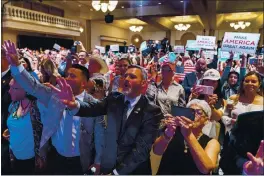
(187, 36)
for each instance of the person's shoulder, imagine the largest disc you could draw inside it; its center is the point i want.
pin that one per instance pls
(150, 107)
(233, 97)
(115, 95)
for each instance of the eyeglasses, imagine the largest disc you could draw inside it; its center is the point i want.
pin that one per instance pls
(200, 112)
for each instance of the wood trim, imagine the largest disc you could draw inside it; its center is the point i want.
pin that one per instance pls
(112, 37)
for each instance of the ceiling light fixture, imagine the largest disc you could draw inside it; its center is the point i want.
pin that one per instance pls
(123, 7)
(181, 1)
(240, 24)
(159, 3)
(136, 28)
(81, 29)
(182, 27)
(111, 5)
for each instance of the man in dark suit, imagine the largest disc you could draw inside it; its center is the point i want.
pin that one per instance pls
(6, 100)
(132, 124)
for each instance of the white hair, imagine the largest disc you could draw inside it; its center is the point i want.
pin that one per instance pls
(203, 104)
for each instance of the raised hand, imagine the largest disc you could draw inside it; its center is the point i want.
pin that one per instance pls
(65, 93)
(256, 165)
(196, 91)
(11, 53)
(212, 99)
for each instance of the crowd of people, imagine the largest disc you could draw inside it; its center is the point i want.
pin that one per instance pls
(94, 113)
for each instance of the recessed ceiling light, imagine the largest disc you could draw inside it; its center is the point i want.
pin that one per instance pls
(122, 7)
(159, 3)
(80, 5)
(140, 5)
(91, 9)
(181, 1)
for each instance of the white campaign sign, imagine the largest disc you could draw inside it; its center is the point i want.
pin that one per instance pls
(240, 42)
(178, 49)
(114, 47)
(205, 42)
(191, 46)
(101, 48)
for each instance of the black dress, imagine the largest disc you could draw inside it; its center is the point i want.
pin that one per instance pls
(175, 161)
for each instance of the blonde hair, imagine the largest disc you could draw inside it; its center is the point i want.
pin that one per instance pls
(49, 67)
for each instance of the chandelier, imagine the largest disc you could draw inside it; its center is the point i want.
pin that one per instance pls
(240, 24)
(104, 5)
(182, 27)
(136, 28)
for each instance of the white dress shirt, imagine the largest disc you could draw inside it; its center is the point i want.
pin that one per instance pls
(66, 139)
(132, 104)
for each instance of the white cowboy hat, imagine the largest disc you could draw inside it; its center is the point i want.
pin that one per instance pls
(98, 59)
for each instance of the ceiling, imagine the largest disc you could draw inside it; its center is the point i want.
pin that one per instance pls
(156, 15)
(255, 18)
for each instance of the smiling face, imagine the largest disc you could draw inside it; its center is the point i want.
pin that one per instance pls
(251, 84)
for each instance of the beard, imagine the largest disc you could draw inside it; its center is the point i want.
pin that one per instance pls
(127, 91)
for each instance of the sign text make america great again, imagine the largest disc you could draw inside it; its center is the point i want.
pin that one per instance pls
(240, 42)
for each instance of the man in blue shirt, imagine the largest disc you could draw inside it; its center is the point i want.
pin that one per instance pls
(64, 129)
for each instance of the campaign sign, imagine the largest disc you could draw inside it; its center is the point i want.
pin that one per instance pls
(192, 46)
(178, 49)
(240, 42)
(101, 48)
(205, 42)
(114, 47)
(209, 54)
(225, 55)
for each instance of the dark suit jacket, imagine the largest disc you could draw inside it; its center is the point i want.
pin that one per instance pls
(127, 151)
(245, 136)
(188, 82)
